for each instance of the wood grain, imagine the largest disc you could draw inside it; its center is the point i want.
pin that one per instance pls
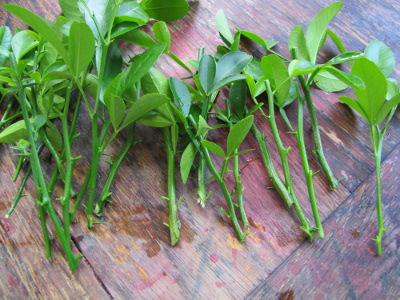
(130, 255)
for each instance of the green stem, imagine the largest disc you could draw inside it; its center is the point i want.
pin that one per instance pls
(174, 223)
(219, 179)
(319, 152)
(306, 168)
(201, 182)
(54, 153)
(239, 189)
(377, 142)
(105, 193)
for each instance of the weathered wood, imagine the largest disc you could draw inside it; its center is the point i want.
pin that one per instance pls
(344, 265)
(131, 255)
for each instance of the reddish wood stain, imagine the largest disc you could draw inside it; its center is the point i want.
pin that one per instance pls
(220, 284)
(287, 295)
(214, 258)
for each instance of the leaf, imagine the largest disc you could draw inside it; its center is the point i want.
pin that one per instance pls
(301, 67)
(101, 10)
(344, 57)
(393, 88)
(223, 27)
(329, 83)
(207, 71)
(138, 37)
(41, 26)
(231, 64)
(354, 104)
(123, 28)
(71, 10)
(237, 97)
(22, 43)
(81, 47)
(336, 40)
(14, 132)
(236, 43)
(179, 62)
(131, 11)
(254, 69)
(163, 10)
(255, 38)
(297, 43)
(162, 34)
(181, 94)
(276, 72)
(156, 119)
(202, 126)
(251, 84)
(54, 136)
(155, 82)
(316, 31)
(381, 55)
(117, 111)
(39, 121)
(186, 162)
(292, 92)
(5, 43)
(112, 71)
(226, 81)
(348, 79)
(372, 98)
(213, 148)
(238, 133)
(386, 108)
(142, 106)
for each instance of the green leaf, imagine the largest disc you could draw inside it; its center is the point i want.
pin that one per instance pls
(71, 10)
(14, 132)
(213, 148)
(266, 44)
(117, 111)
(138, 37)
(226, 81)
(238, 133)
(254, 69)
(297, 43)
(372, 98)
(386, 108)
(230, 65)
(338, 42)
(236, 43)
(202, 126)
(123, 28)
(393, 88)
(251, 84)
(101, 10)
(155, 82)
(39, 121)
(329, 83)
(316, 31)
(131, 11)
(187, 160)
(22, 43)
(142, 106)
(292, 92)
(57, 70)
(301, 67)
(54, 136)
(276, 72)
(348, 79)
(81, 47)
(112, 72)
(344, 57)
(179, 62)
(354, 104)
(5, 43)
(163, 10)
(181, 94)
(156, 119)
(162, 34)
(223, 27)
(41, 26)
(237, 97)
(381, 55)
(207, 71)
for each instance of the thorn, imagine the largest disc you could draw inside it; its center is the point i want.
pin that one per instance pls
(270, 188)
(179, 201)
(315, 173)
(165, 198)
(166, 224)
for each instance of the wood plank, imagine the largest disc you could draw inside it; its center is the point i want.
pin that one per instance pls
(344, 265)
(131, 253)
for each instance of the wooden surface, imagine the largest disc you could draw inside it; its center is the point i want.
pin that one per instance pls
(130, 256)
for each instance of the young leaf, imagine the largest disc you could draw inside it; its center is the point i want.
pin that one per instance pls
(117, 111)
(181, 95)
(187, 159)
(316, 31)
(344, 57)
(123, 28)
(81, 47)
(22, 43)
(155, 82)
(162, 34)
(297, 41)
(138, 37)
(156, 119)
(142, 106)
(354, 104)
(41, 26)
(5, 43)
(213, 148)
(301, 67)
(349, 79)
(223, 27)
(255, 38)
(238, 133)
(71, 10)
(329, 83)
(131, 11)
(101, 10)
(237, 97)
(14, 132)
(381, 55)
(207, 71)
(338, 42)
(54, 136)
(231, 64)
(165, 10)
(276, 72)
(251, 84)
(202, 126)
(236, 42)
(393, 88)
(386, 108)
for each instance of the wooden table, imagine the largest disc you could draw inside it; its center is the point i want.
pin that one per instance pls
(130, 257)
